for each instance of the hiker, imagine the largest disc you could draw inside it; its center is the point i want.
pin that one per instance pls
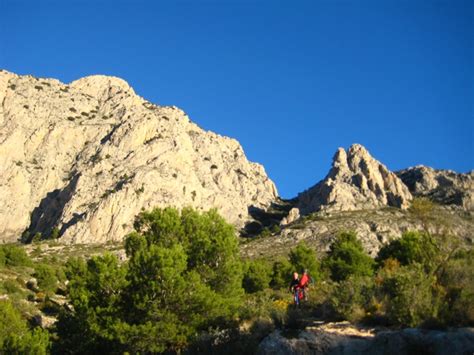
(295, 288)
(304, 284)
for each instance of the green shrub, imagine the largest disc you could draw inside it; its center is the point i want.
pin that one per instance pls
(351, 298)
(281, 274)
(409, 296)
(75, 268)
(46, 277)
(15, 337)
(304, 258)
(412, 247)
(15, 255)
(257, 276)
(61, 274)
(11, 286)
(10, 321)
(54, 233)
(347, 257)
(275, 229)
(265, 232)
(37, 237)
(36, 342)
(457, 279)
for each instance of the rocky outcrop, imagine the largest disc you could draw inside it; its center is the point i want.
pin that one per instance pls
(355, 181)
(292, 216)
(374, 228)
(87, 157)
(442, 186)
(327, 340)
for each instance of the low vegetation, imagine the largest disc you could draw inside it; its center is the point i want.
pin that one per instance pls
(184, 287)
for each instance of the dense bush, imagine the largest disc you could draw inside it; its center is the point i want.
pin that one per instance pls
(15, 255)
(257, 276)
(351, 298)
(347, 257)
(15, 337)
(11, 286)
(11, 321)
(409, 296)
(35, 342)
(184, 275)
(304, 258)
(457, 280)
(46, 277)
(412, 247)
(281, 274)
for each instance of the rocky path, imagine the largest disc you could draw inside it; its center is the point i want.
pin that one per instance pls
(345, 338)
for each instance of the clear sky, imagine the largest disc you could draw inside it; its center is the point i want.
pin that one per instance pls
(291, 80)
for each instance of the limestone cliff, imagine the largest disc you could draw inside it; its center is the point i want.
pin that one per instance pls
(445, 187)
(356, 181)
(89, 156)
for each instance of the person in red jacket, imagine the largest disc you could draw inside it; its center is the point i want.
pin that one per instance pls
(304, 283)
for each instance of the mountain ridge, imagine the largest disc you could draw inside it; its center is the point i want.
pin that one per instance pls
(85, 158)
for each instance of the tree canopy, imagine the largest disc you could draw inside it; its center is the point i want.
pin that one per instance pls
(347, 257)
(183, 275)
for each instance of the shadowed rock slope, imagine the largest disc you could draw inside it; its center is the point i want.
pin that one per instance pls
(442, 186)
(87, 157)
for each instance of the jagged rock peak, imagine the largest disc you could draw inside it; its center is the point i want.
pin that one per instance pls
(356, 181)
(442, 186)
(88, 157)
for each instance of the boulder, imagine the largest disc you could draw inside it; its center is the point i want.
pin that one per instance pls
(343, 338)
(292, 216)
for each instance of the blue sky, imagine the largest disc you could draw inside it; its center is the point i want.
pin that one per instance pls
(291, 80)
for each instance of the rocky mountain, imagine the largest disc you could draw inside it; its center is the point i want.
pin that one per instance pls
(442, 186)
(88, 156)
(361, 194)
(83, 159)
(356, 181)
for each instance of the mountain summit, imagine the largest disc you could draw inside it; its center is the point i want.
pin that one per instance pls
(87, 157)
(356, 181)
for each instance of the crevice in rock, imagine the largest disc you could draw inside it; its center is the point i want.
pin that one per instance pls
(267, 218)
(48, 213)
(108, 136)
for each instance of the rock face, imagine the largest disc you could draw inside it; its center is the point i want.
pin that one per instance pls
(325, 340)
(355, 181)
(89, 156)
(293, 215)
(442, 186)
